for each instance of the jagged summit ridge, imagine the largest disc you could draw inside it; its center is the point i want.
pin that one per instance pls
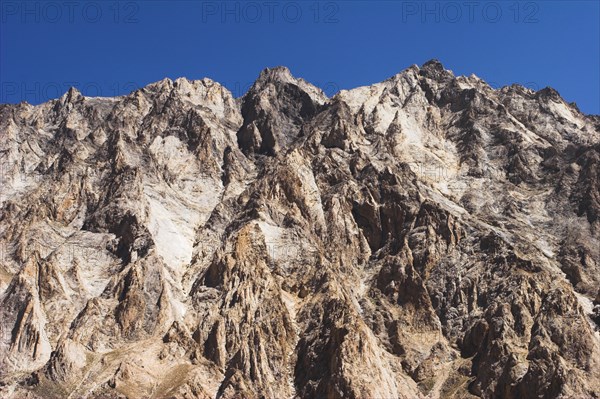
(276, 74)
(425, 236)
(282, 75)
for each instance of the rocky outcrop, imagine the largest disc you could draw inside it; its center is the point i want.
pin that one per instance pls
(426, 236)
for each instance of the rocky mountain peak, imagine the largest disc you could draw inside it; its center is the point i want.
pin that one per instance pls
(434, 65)
(72, 95)
(274, 109)
(280, 74)
(435, 70)
(549, 93)
(426, 236)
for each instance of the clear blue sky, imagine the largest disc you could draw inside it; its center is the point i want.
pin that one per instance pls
(109, 47)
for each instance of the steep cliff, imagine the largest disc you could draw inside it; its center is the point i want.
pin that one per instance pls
(426, 236)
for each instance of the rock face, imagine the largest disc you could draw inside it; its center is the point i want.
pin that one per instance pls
(426, 236)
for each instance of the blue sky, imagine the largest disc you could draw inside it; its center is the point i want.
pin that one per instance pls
(108, 47)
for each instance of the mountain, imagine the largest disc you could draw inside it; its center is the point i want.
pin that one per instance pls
(426, 236)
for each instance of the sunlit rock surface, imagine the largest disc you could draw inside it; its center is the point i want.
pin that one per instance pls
(426, 236)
